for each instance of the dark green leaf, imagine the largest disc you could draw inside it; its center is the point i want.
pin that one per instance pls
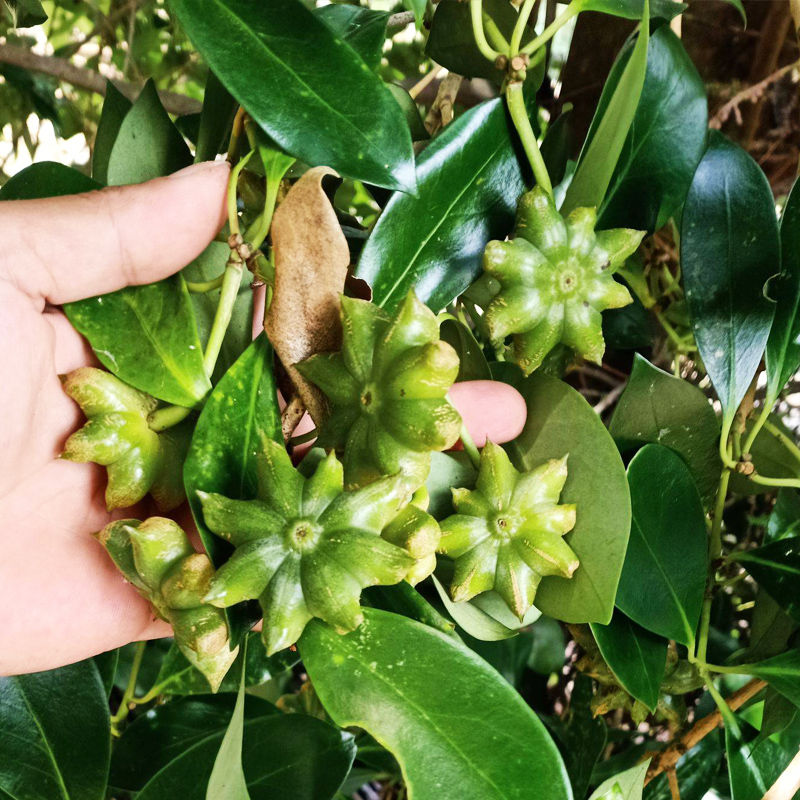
(781, 672)
(666, 139)
(410, 111)
(147, 144)
(580, 735)
(609, 130)
(278, 66)
(627, 785)
(508, 656)
(467, 735)
(362, 28)
(46, 179)
(472, 362)
(548, 651)
(770, 628)
(776, 568)
(178, 677)
(696, 771)
(292, 756)
(753, 764)
(659, 408)
(784, 521)
(557, 145)
(469, 182)
(55, 734)
(628, 328)
(147, 336)
(26, 13)
(106, 664)
(451, 42)
(739, 6)
(632, 9)
(241, 410)
(664, 577)
(560, 422)
(729, 250)
(783, 345)
(216, 119)
(635, 656)
(447, 470)
(164, 732)
(115, 108)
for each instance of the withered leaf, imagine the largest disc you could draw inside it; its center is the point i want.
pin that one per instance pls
(311, 259)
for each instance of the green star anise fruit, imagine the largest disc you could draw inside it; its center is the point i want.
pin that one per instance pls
(117, 436)
(555, 277)
(507, 534)
(157, 558)
(305, 548)
(387, 389)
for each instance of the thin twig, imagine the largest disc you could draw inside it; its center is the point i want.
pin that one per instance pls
(426, 80)
(674, 789)
(667, 759)
(291, 416)
(399, 21)
(442, 109)
(609, 399)
(88, 79)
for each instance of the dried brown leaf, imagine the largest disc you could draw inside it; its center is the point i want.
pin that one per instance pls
(311, 260)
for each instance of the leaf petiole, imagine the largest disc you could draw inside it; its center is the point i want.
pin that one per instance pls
(572, 10)
(519, 116)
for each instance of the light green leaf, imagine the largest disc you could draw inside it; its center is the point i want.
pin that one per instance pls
(664, 577)
(560, 422)
(627, 785)
(466, 736)
(609, 130)
(115, 108)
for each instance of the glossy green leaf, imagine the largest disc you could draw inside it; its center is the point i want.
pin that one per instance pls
(469, 180)
(216, 119)
(659, 408)
(165, 731)
(177, 676)
(609, 129)
(362, 28)
(557, 145)
(147, 336)
(664, 577)
(729, 250)
(46, 179)
(753, 764)
(666, 140)
(627, 785)
(468, 735)
(771, 628)
(227, 776)
(147, 144)
(635, 656)
(633, 9)
(106, 664)
(411, 112)
(208, 265)
(581, 735)
(696, 772)
(55, 737)
(451, 42)
(115, 108)
(472, 362)
(783, 345)
(784, 521)
(560, 422)
(283, 755)
(781, 672)
(242, 408)
(776, 568)
(278, 66)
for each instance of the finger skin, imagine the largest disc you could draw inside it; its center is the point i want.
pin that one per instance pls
(490, 409)
(62, 249)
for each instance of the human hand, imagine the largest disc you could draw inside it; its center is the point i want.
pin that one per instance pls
(62, 597)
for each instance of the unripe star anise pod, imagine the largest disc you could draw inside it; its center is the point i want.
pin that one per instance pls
(157, 558)
(387, 390)
(507, 534)
(117, 436)
(306, 548)
(555, 278)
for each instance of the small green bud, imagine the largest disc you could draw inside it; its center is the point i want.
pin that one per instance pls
(555, 278)
(157, 558)
(507, 534)
(305, 548)
(387, 390)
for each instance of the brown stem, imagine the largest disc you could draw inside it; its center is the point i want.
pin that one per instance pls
(667, 759)
(441, 112)
(82, 78)
(291, 416)
(674, 789)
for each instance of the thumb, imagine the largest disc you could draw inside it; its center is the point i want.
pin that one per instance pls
(62, 249)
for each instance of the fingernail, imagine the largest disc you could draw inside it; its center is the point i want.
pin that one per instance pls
(220, 167)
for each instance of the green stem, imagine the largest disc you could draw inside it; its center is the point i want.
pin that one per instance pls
(519, 28)
(130, 689)
(757, 425)
(790, 446)
(470, 448)
(714, 553)
(572, 10)
(496, 38)
(304, 438)
(519, 116)
(167, 417)
(476, 13)
(761, 480)
(202, 287)
(231, 282)
(724, 451)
